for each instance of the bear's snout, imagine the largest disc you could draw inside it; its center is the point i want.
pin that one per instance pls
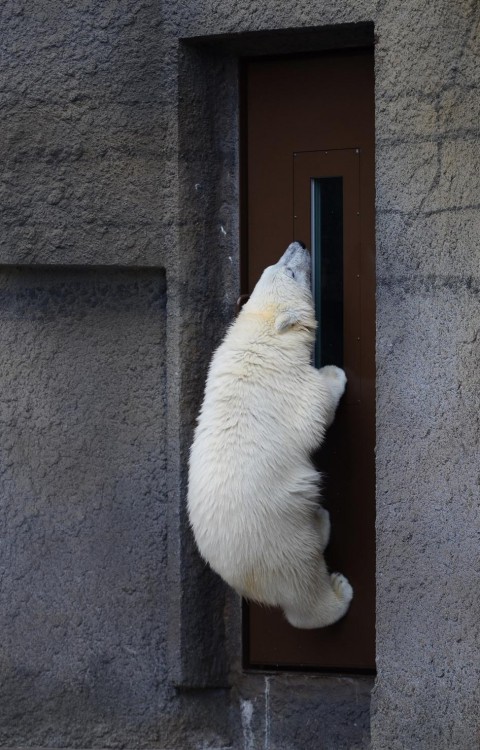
(298, 259)
(296, 254)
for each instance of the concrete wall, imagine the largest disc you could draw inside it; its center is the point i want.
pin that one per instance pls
(119, 245)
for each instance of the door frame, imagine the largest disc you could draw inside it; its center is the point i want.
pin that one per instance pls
(244, 277)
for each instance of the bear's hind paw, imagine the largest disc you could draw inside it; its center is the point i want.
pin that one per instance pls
(341, 587)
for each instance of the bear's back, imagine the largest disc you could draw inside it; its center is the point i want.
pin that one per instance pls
(247, 465)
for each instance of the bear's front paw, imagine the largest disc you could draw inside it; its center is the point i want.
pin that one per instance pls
(337, 378)
(341, 587)
(332, 371)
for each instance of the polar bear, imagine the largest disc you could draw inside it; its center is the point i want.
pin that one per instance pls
(253, 490)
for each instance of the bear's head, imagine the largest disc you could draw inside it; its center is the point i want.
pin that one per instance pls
(284, 290)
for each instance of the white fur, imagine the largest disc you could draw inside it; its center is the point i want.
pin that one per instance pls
(253, 491)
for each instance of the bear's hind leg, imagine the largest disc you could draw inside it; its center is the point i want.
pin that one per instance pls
(329, 605)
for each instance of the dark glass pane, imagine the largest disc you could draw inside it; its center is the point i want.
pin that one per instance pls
(327, 254)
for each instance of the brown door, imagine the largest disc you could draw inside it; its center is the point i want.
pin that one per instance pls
(309, 175)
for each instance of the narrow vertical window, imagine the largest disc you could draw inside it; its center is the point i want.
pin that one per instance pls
(327, 276)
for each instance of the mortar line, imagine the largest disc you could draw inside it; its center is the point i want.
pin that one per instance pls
(267, 714)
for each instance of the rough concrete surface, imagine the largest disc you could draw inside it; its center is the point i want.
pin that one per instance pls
(83, 495)
(86, 146)
(428, 428)
(120, 149)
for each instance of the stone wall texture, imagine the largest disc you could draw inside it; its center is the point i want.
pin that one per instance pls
(118, 274)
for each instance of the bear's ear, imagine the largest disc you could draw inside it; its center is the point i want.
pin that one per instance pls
(286, 319)
(300, 319)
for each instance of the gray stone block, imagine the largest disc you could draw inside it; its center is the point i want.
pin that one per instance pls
(420, 44)
(438, 242)
(406, 116)
(289, 712)
(83, 488)
(458, 182)
(459, 111)
(87, 153)
(406, 173)
(427, 514)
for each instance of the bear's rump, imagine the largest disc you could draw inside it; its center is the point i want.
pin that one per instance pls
(250, 550)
